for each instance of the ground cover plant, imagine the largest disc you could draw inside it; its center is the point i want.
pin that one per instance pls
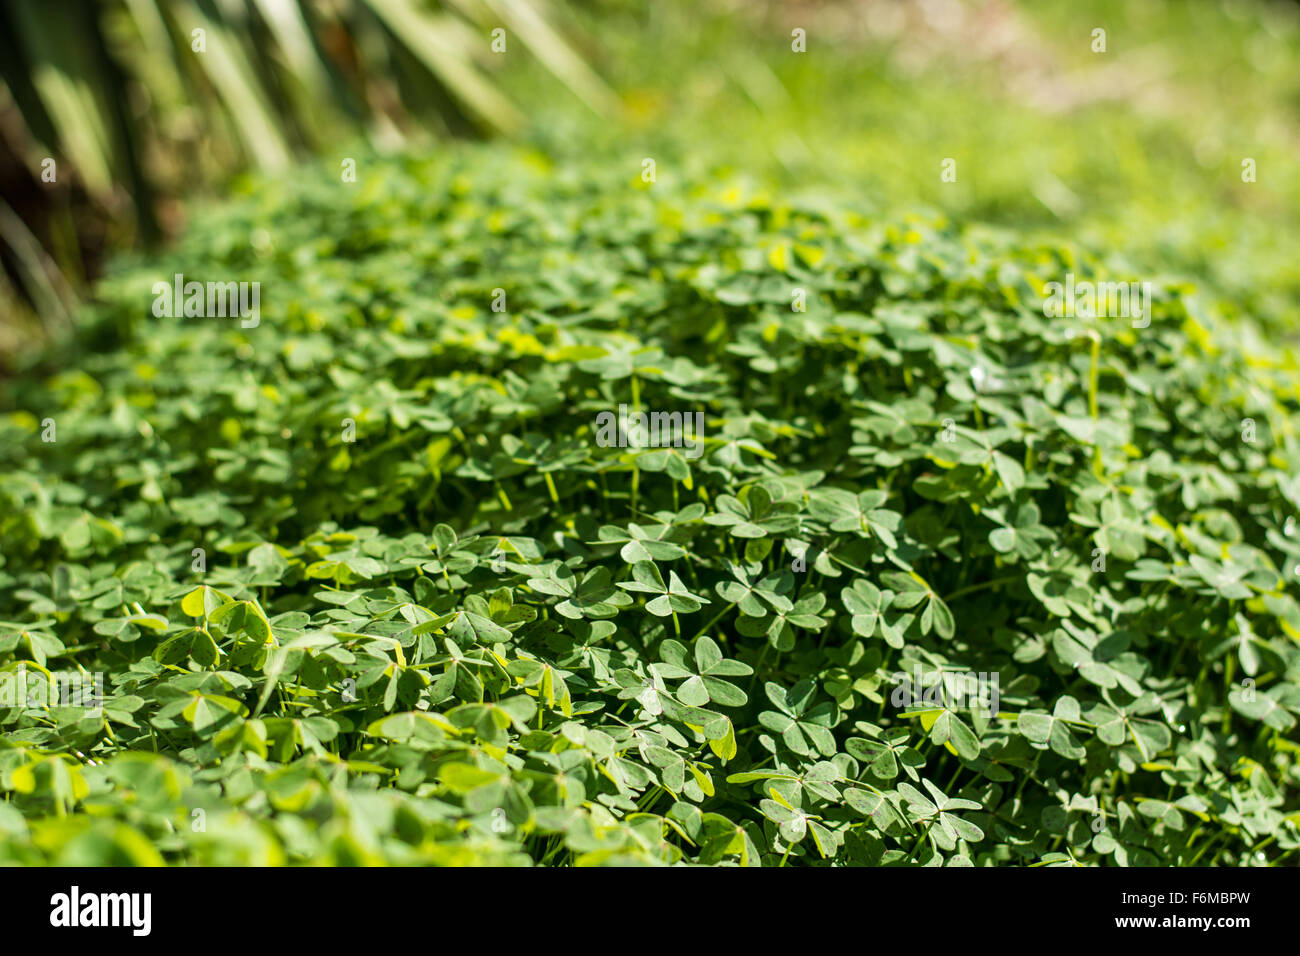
(373, 581)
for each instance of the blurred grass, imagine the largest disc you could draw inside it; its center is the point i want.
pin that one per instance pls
(1135, 152)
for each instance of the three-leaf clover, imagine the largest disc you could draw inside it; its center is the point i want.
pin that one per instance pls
(946, 828)
(591, 596)
(746, 588)
(804, 727)
(756, 516)
(911, 589)
(674, 597)
(1054, 730)
(703, 681)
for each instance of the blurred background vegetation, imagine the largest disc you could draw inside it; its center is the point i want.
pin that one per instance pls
(1134, 153)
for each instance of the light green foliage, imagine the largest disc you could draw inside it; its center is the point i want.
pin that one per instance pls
(475, 635)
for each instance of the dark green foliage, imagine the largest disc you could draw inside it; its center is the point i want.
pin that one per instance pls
(476, 635)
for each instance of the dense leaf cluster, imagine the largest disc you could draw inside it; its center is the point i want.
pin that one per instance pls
(476, 634)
